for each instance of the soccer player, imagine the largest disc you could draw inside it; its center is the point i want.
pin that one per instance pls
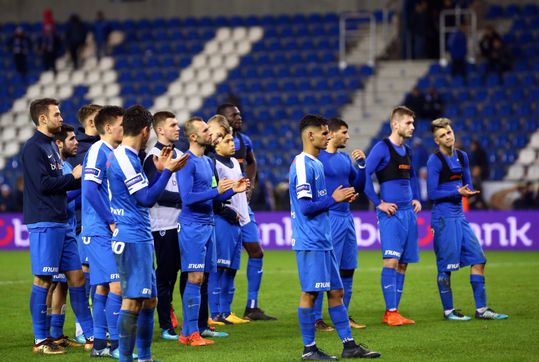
(455, 243)
(311, 239)
(67, 147)
(97, 227)
(164, 222)
(396, 208)
(132, 241)
(53, 248)
(249, 232)
(339, 170)
(198, 189)
(229, 218)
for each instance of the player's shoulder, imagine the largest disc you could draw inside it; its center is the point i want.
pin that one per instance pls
(434, 159)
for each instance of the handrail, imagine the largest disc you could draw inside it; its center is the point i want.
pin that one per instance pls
(458, 13)
(344, 33)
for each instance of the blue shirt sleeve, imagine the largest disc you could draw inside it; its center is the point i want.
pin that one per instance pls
(357, 175)
(147, 196)
(312, 208)
(466, 174)
(248, 143)
(373, 163)
(92, 194)
(414, 184)
(167, 198)
(434, 167)
(185, 184)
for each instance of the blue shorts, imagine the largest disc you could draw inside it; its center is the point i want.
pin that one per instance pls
(455, 244)
(103, 266)
(197, 247)
(59, 278)
(249, 231)
(81, 244)
(135, 266)
(53, 249)
(398, 235)
(343, 236)
(318, 270)
(228, 243)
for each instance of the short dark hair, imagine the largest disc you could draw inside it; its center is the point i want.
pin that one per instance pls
(41, 106)
(136, 118)
(312, 120)
(400, 111)
(86, 111)
(107, 115)
(62, 135)
(222, 107)
(188, 127)
(160, 117)
(335, 124)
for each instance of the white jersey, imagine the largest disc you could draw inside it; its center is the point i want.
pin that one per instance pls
(238, 202)
(165, 217)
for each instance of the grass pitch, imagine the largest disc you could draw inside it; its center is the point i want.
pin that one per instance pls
(512, 288)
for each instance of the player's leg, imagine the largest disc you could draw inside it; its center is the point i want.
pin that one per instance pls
(146, 316)
(127, 327)
(214, 292)
(58, 307)
(472, 254)
(45, 255)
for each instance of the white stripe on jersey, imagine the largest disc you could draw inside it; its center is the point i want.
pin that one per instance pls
(91, 172)
(303, 188)
(133, 180)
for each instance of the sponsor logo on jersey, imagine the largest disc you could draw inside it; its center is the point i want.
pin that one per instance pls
(114, 276)
(453, 266)
(223, 261)
(196, 266)
(50, 269)
(322, 193)
(322, 285)
(392, 253)
(119, 212)
(92, 171)
(146, 291)
(304, 187)
(134, 180)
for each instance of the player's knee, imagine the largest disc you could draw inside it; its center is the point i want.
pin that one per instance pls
(335, 296)
(115, 288)
(401, 268)
(196, 278)
(150, 303)
(391, 263)
(444, 279)
(75, 278)
(43, 281)
(478, 269)
(254, 250)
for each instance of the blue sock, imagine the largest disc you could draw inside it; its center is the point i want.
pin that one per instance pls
(100, 321)
(306, 325)
(229, 297)
(87, 285)
(48, 321)
(112, 312)
(444, 288)
(479, 293)
(389, 288)
(214, 292)
(57, 325)
(93, 288)
(191, 300)
(339, 317)
(145, 333)
(318, 305)
(38, 309)
(254, 277)
(79, 304)
(127, 328)
(400, 287)
(347, 283)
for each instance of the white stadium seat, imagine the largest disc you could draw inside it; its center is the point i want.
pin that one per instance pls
(95, 90)
(223, 34)
(94, 76)
(175, 88)
(187, 75)
(191, 89)
(199, 61)
(162, 102)
(22, 120)
(243, 48)
(534, 141)
(255, 34)
(515, 172)
(533, 172)
(178, 102)
(112, 89)
(109, 76)
(227, 47)
(65, 91)
(211, 47)
(239, 34)
(20, 105)
(78, 77)
(63, 76)
(219, 75)
(216, 61)
(106, 63)
(34, 91)
(203, 75)
(115, 101)
(194, 103)
(46, 77)
(11, 148)
(526, 156)
(232, 61)
(207, 89)
(25, 133)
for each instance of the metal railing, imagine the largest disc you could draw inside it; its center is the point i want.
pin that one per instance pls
(350, 31)
(467, 16)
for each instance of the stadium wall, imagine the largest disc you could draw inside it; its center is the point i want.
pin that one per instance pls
(496, 230)
(28, 10)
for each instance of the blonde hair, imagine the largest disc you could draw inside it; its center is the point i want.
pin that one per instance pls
(221, 121)
(440, 123)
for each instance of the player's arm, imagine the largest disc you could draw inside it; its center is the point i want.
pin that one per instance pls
(434, 167)
(39, 175)
(357, 174)
(414, 184)
(92, 178)
(250, 159)
(73, 195)
(189, 197)
(373, 161)
(466, 174)
(167, 198)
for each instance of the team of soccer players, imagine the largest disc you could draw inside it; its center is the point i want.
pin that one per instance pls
(119, 232)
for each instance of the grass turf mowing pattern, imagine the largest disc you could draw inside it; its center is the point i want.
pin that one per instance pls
(511, 282)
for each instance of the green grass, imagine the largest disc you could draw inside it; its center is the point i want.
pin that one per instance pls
(512, 288)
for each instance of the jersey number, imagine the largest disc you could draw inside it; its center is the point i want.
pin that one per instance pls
(118, 247)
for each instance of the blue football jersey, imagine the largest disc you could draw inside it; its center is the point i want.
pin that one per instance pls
(307, 181)
(71, 213)
(95, 170)
(126, 177)
(338, 170)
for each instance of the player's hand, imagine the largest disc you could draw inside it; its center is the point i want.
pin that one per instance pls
(159, 161)
(417, 206)
(77, 172)
(389, 208)
(241, 185)
(176, 164)
(358, 154)
(344, 194)
(466, 192)
(112, 227)
(224, 185)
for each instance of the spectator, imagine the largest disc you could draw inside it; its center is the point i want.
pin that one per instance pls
(18, 193)
(101, 32)
(262, 196)
(282, 195)
(49, 47)
(433, 104)
(48, 20)
(476, 202)
(486, 42)
(478, 157)
(415, 101)
(75, 38)
(499, 60)
(528, 197)
(19, 45)
(457, 44)
(420, 26)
